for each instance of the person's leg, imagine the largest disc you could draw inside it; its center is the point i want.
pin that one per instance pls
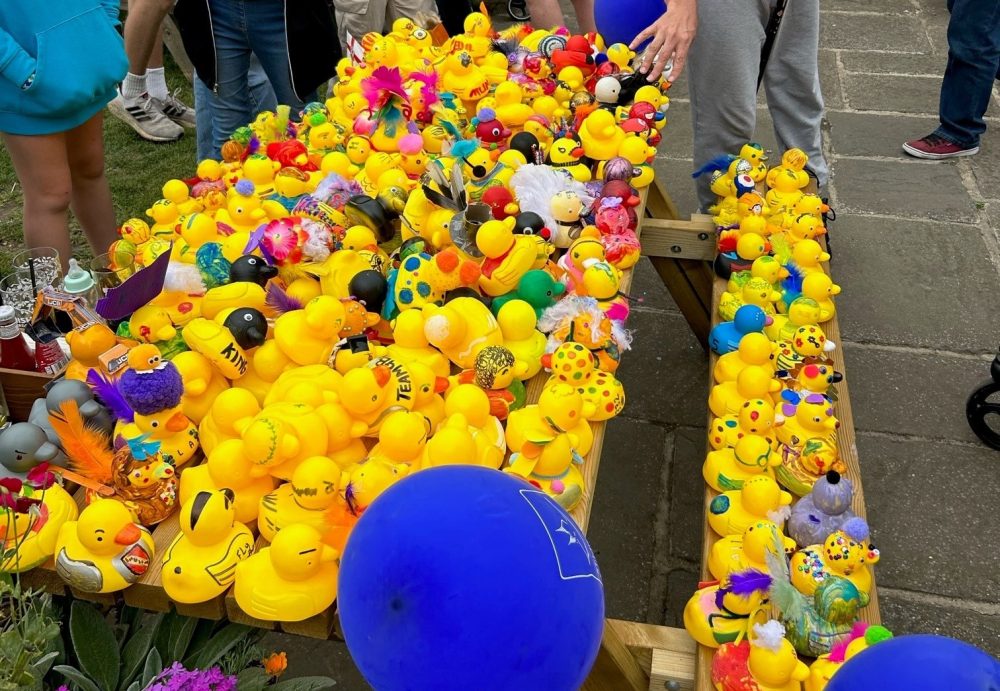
(722, 78)
(453, 14)
(358, 17)
(791, 82)
(91, 196)
(546, 14)
(42, 168)
(230, 102)
(266, 35)
(973, 59)
(261, 94)
(585, 15)
(204, 129)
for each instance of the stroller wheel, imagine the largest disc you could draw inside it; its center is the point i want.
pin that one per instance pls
(518, 10)
(979, 408)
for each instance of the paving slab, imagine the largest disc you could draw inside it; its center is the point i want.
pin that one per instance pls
(931, 508)
(314, 657)
(677, 135)
(903, 7)
(907, 188)
(894, 93)
(916, 393)
(621, 526)
(861, 61)
(986, 164)
(904, 614)
(648, 287)
(870, 134)
(676, 175)
(829, 79)
(889, 31)
(928, 285)
(681, 584)
(664, 372)
(687, 492)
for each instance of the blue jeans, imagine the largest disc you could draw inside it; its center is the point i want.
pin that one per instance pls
(261, 99)
(973, 64)
(242, 28)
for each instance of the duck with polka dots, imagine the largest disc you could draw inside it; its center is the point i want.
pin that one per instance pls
(573, 364)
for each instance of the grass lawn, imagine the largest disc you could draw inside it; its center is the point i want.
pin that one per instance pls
(136, 171)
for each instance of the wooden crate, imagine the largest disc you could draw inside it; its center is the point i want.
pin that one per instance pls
(20, 389)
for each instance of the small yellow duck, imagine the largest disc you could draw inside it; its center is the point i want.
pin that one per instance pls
(712, 620)
(472, 403)
(802, 311)
(176, 434)
(28, 540)
(202, 384)
(201, 562)
(765, 661)
(301, 337)
(150, 324)
(732, 512)
(228, 408)
(554, 469)
(812, 419)
(401, 438)
(243, 212)
(506, 257)
(755, 417)
(753, 381)
(509, 105)
(756, 291)
(367, 480)
(306, 498)
(560, 410)
(517, 320)
(453, 444)
(165, 215)
(821, 288)
(754, 154)
(746, 551)
(574, 365)
(565, 154)
(104, 551)
(178, 192)
(754, 349)
(228, 467)
(729, 468)
(460, 329)
(808, 255)
(640, 154)
(846, 553)
(786, 190)
(601, 136)
(411, 344)
(293, 579)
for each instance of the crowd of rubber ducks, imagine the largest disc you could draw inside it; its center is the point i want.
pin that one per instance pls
(355, 293)
(788, 542)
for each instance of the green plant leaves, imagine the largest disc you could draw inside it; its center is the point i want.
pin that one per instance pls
(77, 677)
(220, 644)
(137, 648)
(304, 684)
(153, 666)
(94, 645)
(181, 631)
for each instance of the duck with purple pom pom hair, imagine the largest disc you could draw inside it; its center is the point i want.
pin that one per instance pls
(826, 509)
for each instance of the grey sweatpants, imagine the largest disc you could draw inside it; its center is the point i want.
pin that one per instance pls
(722, 73)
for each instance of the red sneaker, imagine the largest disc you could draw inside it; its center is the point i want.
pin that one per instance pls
(936, 147)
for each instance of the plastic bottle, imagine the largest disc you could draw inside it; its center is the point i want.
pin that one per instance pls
(14, 353)
(49, 357)
(79, 281)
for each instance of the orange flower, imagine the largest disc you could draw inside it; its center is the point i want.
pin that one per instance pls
(275, 664)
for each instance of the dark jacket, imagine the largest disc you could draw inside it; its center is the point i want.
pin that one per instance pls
(310, 33)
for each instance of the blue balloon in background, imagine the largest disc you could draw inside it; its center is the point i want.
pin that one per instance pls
(619, 21)
(919, 663)
(460, 577)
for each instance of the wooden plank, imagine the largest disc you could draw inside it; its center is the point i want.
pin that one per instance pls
(20, 389)
(671, 671)
(615, 669)
(678, 239)
(643, 639)
(172, 40)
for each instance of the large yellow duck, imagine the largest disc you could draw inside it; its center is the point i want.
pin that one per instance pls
(714, 615)
(818, 286)
(729, 468)
(518, 320)
(293, 579)
(28, 540)
(507, 257)
(753, 381)
(746, 551)
(601, 136)
(472, 403)
(756, 291)
(765, 661)
(460, 329)
(411, 343)
(565, 154)
(301, 337)
(306, 498)
(104, 550)
(401, 438)
(219, 423)
(754, 349)
(228, 467)
(573, 364)
(453, 444)
(243, 212)
(560, 410)
(202, 384)
(731, 513)
(201, 562)
(847, 553)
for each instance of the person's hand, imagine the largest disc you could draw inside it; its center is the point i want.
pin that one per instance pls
(672, 35)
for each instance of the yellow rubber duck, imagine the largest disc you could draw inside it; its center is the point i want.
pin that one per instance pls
(764, 266)
(620, 55)
(150, 324)
(804, 227)
(86, 346)
(336, 272)
(226, 410)
(652, 94)
(802, 311)
(260, 170)
(565, 154)
(293, 579)
(305, 499)
(756, 291)
(178, 192)
(460, 75)
(600, 135)
(785, 190)
(487, 431)
(177, 435)
(813, 419)
(572, 364)
(517, 320)
(755, 417)
(367, 480)
(765, 661)
(753, 381)
(640, 154)
(234, 295)
(808, 255)
(401, 438)
(104, 550)
(228, 467)
(281, 436)
(339, 163)
(807, 342)
(243, 212)
(754, 349)
(411, 344)
(729, 468)
(731, 513)
(560, 409)
(301, 337)
(460, 329)
(454, 444)
(196, 230)
(711, 625)
(427, 389)
(201, 562)
(27, 540)
(821, 288)
(539, 126)
(202, 384)
(845, 553)
(509, 105)
(754, 154)
(507, 257)
(746, 551)
(310, 385)
(553, 468)
(165, 215)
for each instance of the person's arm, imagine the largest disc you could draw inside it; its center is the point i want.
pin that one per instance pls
(671, 35)
(15, 63)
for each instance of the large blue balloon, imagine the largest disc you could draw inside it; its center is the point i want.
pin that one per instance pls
(463, 578)
(919, 663)
(619, 21)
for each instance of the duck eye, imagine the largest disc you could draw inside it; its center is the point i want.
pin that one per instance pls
(154, 423)
(248, 317)
(100, 539)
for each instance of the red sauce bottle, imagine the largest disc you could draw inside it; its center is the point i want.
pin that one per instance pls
(14, 353)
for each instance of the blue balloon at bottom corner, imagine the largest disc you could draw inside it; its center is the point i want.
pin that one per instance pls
(919, 663)
(460, 578)
(619, 21)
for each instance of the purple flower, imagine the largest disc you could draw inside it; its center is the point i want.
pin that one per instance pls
(177, 678)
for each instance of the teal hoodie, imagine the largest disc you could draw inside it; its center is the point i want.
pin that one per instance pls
(74, 51)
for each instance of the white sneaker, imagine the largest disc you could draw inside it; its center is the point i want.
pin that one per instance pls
(176, 109)
(143, 116)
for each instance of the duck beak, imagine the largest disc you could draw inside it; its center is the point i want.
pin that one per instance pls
(128, 535)
(177, 423)
(577, 152)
